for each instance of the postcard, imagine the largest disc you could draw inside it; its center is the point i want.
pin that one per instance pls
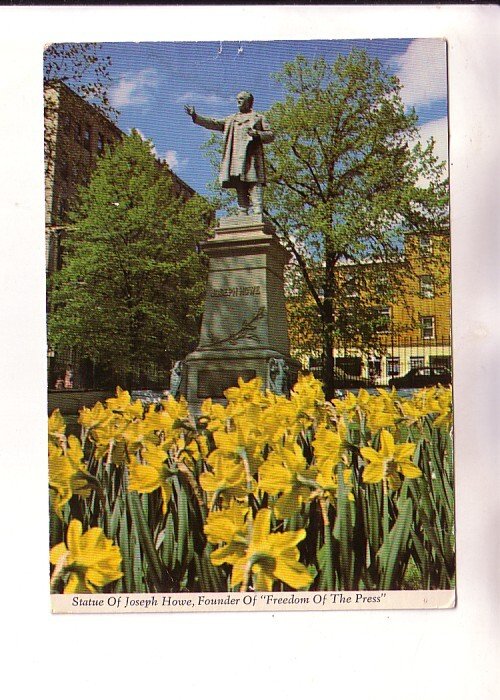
(249, 326)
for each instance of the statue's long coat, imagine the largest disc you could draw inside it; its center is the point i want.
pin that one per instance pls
(243, 157)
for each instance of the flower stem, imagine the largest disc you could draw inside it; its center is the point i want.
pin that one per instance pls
(327, 534)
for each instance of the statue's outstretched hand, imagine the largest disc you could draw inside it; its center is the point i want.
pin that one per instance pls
(189, 109)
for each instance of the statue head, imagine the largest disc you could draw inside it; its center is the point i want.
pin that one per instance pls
(245, 101)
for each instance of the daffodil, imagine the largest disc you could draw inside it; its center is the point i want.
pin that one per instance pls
(67, 473)
(228, 529)
(228, 477)
(90, 559)
(287, 474)
(382, 411)
(308, 399)
(347, 405)
(57, 427)
(151, 473)
(444, 408)
(123, 404)
(91, 417)
(109, 439)
(279, 420)
(213, 415)
(389, 462)
(329, 450)
(246, 392)
(269, 557)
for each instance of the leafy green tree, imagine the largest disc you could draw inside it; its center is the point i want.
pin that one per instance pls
(348, 181)
(129, 293)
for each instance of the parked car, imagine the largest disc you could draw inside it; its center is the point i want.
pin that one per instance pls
(422, 376)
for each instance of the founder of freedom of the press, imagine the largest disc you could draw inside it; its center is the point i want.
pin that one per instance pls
(242, 165)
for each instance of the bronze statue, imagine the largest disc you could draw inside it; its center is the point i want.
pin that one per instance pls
(242, 164)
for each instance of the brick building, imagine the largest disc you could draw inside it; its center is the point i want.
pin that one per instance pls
(76, 135)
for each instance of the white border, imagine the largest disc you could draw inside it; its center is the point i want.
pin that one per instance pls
(383, 654)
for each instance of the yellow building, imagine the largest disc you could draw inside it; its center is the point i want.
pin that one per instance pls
(415, 330)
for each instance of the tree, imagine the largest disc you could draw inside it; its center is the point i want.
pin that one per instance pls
(346, 186)
(129, 293)
(84, 68)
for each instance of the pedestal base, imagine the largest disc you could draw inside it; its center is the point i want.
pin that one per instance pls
(208, 374)
(244, 330)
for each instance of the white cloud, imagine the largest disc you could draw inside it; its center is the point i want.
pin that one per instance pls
(438, 129)
(209, 98)
(172, 158)
(422, 71)
(134, 88)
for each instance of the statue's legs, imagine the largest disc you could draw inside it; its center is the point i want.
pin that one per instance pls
(250, 194)
(243, 197)
(256, 198)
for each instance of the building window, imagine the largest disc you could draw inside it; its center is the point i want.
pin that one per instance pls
(427, 287)
(77, 133)
(86, 138)
(64, 166)
(349, 365)
(425, 245)
(100, 144)
(66, 120)
(416, 361)
(428, 327)
(350, 289)
(63, 208)
(440, 361)
(384, 319)
(393, 367)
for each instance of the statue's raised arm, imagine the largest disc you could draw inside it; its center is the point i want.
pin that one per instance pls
(242, 164)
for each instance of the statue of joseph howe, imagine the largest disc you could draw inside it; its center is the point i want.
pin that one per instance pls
(242, 164)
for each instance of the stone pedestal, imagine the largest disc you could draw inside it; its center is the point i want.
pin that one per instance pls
(244, 330)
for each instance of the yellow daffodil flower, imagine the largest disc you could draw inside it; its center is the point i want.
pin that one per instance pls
(227, 526)
(308, 398)
(286, 472)
(57, 427)
(389, 462)
(151, 473)
(124, 405)
(381, 412)
(213, 415)
(347, 405)
(269, 557)
(279, 420)
(91, 417)
(227, 478)
(444, 408)
(246, 392)
(67, 474)
(91, 559)
(329, 450)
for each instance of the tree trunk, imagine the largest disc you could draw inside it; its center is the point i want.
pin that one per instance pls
(328, 366)
(329, 295)
(328, 362)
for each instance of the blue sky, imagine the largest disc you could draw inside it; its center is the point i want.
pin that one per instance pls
(151, 82)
